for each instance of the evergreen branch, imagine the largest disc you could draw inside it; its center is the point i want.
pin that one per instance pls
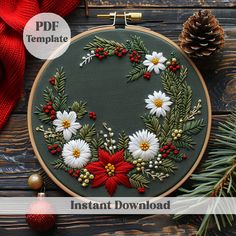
(216, 175)
(60, 81)
(136, 72)
(193, 126)
(108, 45)
(137, 44)
(87, 132)
(79, 108)
(59, 164)
(167, 166)
(138, 181)
(96, 143)
(123, 141)
(152, 124)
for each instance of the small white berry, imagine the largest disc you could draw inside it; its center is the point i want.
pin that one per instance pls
(155, 167)
(92, 52)
(150, 166)
(114, 147)
(160, 162)
(158, 158)
(150, 162)
(110, 147)
(105, 144)
(155, 162)
(111, 134)
(105, 135)
(159, 155)
(109, 129)
(113, 141)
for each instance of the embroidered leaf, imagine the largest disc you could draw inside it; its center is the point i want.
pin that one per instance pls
(87, 132)
(167, 166)
(183, 74)
(176, 157)
(60, 102)
(137, 44)
(79, 108)
(59, 164)
(184, 142)
(60, 81)
(138, 181)
(48, 94)
(152, 124)
(108, 45)
(96, 143)
(193, 126)
(41, 115)
(123, 141)
(136, 72)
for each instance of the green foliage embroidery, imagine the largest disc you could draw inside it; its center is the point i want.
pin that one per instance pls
(79, 108)
(59, 164)
(152, 124)
(108, 45)
(87, 132)
(137, 44)
(136, 72)
(138, 181)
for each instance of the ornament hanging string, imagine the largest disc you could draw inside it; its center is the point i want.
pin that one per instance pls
(14, 15)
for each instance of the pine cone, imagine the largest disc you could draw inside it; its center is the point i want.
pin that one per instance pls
(202, 35)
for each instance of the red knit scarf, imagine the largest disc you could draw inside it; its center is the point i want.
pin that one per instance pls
(13, 16)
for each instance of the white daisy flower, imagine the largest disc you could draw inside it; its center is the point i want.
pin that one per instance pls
(76, 153)
(158, 103)
(66, 122)
(155, 62)
(144, 145)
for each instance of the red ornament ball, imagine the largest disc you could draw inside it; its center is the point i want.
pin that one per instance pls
(40, 216)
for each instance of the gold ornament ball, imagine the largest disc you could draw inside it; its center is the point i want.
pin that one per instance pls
(35, 181)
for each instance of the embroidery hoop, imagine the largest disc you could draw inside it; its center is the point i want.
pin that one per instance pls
(107, 28)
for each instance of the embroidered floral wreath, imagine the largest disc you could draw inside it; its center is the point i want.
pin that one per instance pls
(97, 158)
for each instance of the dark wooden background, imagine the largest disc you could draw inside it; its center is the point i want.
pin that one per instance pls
(17, 160)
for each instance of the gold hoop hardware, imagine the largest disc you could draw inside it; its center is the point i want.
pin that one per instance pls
(131, 16)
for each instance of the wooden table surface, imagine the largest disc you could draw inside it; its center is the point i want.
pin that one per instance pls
(17, 159)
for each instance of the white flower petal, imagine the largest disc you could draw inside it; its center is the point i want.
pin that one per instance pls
(67, 134)
(156, 69)
(147, 63)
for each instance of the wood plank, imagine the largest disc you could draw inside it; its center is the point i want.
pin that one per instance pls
(218, 71)
(17, 159)
(161, 3)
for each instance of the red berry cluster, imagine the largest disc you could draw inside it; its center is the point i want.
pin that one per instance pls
(74, 173)
(48, 109)
(54, 148)
(141, 190)
(147, 75)
(92, 115)
(167, 149)
(100, 53)
(52, 80)
(174, 66)
(135, 57)
(120, 52)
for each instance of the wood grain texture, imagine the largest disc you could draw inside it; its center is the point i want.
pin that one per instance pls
(162, 3)
(17, 160)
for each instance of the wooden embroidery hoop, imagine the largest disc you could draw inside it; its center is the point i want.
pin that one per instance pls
(107, 28)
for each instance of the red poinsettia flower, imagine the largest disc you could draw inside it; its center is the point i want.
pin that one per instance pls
(110, 170)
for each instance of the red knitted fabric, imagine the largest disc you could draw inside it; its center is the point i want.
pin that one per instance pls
(13, 16)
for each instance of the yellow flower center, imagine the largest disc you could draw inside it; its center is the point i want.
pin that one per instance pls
(155, 61)
(144, 146)
(158, 102)
(76, 152)
(110, 169)
(66, 124)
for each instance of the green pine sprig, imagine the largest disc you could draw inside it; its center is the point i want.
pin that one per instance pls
(136, 72)
(108, 45)
(216, 175)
